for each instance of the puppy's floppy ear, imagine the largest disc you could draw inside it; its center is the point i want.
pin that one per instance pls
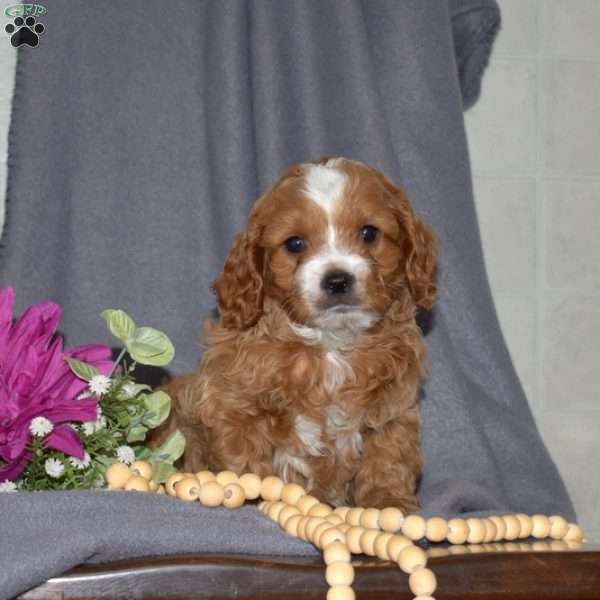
(419, 248)
(239, 287)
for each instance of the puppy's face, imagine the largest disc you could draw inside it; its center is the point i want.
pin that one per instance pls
(335, 243)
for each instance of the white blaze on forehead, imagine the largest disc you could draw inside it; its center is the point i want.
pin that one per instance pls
(324, 186)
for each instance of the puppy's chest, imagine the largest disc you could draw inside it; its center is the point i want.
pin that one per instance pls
(335, 429)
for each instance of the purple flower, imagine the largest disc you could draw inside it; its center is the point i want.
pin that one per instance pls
(35, 381)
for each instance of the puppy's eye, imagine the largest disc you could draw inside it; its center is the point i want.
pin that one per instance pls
(369, 233)
(295, 244)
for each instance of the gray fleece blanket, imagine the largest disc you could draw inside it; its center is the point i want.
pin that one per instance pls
(139, 140)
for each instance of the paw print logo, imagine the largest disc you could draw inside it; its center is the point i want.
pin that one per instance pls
(24, 31)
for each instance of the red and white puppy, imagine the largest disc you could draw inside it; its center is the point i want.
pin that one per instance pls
(313, 370)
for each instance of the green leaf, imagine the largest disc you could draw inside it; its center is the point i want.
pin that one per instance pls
(142, 453)
(158, 405)
(81, 369)
(172, 449)
(137, 434)
(150, 347)
(121, 325)
(161, 471)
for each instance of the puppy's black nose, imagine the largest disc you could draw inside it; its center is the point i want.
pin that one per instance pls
(337, 282)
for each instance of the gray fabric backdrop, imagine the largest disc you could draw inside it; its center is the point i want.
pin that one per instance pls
(142, 134)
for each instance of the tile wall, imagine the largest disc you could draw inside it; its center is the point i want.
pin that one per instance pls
(534, 140)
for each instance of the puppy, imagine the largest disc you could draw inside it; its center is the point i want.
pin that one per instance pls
(312, 372)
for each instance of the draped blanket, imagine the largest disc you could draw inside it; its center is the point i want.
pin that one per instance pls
(140, 138)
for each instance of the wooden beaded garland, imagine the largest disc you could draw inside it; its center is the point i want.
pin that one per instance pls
(339, 573)
(233, 495)
(271, 487)
(305, 503)
(369, 518)
(422, 582)
(211, 494)
(391, 519)
(346, 531)
(291, 493)
(251, 485)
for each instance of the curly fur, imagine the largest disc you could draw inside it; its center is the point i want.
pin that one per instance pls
(334, 410)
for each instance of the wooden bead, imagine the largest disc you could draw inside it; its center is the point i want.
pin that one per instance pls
(153, 485)
(270, 488)
(380, 545)
(233, 495)
(395, 545)
(526, 525)
(342, 511)
(540, 546)
(291, 525)
(435, 552)
(211, 494)
(311, 525)
(343, 527)
(335, 552)
(458, 531)
(391, 519)
(558, 527)
(334, 519)
(286, 512)
(339, 573)
(490, 531)
(137, 483)
(251, 485)
(353, 539)
(353, 516)
(422, 582)
(426, 597)
(540, 526)
(274, 509)
(225, 477)
(476, 531)
(574, 533)
(320, 510)
(369, 518)
(413, 527)
(316, 534)
(512, 527)
(292, 492)
(171, 481)
(367, 540)
(188, 489)
(436, 529)
(117, 476)
(500, 528)
(142, 468)
(161, 490)
(412, 558)
(205, 476)
(305, 503)
(341, 592)
(302, 527)
(329, 536)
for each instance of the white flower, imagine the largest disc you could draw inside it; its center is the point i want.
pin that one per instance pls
(8, 486)
(129, 390)
(99, 483)
(90, 427)
(80, 465)
(99, 384)
(40, 426)
(125, 454)
(83, 395)
(54, 468)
